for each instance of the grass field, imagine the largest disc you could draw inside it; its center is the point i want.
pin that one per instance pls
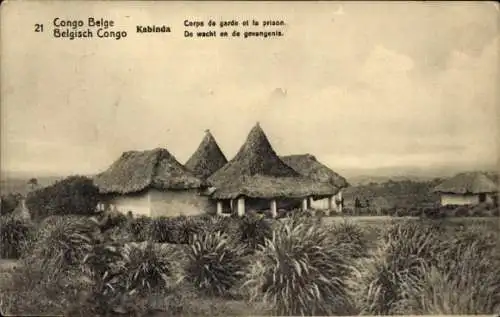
(353, 264)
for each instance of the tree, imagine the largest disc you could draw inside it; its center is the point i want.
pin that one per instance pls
(72, 195)
(9, 202)
(33, 182)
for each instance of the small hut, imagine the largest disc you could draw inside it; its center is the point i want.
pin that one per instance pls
(207, 159)
(152, 183)
(259, 180)
(307, 165)
(468, 189)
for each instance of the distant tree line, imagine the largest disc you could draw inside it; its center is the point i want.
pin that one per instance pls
(401, 193)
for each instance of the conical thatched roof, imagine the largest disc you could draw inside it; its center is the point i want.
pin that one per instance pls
(257, 171)
(468, 183)
(307, 165)
(135, 171)
(207, 159)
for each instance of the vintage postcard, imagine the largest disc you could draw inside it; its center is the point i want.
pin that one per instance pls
(249, 158)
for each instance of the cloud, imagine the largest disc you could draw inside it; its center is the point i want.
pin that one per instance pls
(387, 83)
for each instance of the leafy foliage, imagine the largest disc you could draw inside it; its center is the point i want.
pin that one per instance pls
(470, 285)
(9, 202)
(15, 233)
(254, 230)
(352, 237)
(182, 229)
(300, 271)
(63, 242)
(124, 276)
(140, 228)
(72, 195)
(405, 248)
(150, 266)
(49, 277)
(215, 265)
(403, 193)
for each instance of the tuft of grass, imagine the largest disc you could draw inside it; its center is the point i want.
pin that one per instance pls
(178, 230)
(254, 230)
(405, 248)
(224, 225)
(187, 229)
(297, 217)
(15, 234)
(486, 240)
(215, 265)
(124, 276)
(150, 266)
(51, 275)
(140, 228)
(352, 236)
(301, 270)
(466, 284)
(62, 242)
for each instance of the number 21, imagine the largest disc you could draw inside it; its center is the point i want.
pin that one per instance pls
(38, 27)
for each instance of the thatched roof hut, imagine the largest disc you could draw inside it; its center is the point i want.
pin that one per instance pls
(307, 165)
(257, 172)
(468, 183)
(207, 159)
(136, 171)
(468, 189)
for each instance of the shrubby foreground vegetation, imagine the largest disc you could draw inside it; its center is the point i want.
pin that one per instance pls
(211, 265)
(74, 261)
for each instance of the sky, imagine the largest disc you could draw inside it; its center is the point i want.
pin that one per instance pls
(359, 85)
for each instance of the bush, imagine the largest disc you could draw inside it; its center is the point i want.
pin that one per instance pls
(182, 229)
(282, 213)
(435, 213)
(481, 210)
(15, 233)
(466, 284)
(73, 195)
(461, 211)
(254, 230)
(333, 213)
(162, 230)
(125, 276)
(62, 243)
(225, 225)
(112, 219)
(300, 217)
(320, 213)
(140, 228)
(9, 203)
(300, 271)
(186, 228)
(481, 236)
(151, 267)
(351, 237)
(215, 265)
(105, 267)
(400, 212)
(405, 247)
(51, 275)
(23, 294)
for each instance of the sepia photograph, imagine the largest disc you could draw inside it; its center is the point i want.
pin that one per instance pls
(239, 158)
